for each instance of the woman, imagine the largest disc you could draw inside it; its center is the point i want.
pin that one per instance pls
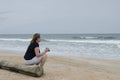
(33, 54)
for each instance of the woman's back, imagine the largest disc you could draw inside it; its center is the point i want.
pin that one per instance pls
(30, 53)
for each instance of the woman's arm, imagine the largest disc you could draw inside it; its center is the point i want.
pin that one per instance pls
(38, 54)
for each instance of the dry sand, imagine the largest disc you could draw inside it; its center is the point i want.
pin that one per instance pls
(63, 68)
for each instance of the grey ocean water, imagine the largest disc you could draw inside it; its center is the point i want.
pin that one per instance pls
(103, 46)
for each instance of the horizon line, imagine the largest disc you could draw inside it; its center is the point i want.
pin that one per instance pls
(59, 33)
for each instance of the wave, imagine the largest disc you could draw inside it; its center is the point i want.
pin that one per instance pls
(82, 37)
(109, 37)
(86, 41)
(100, 37)
(64, 40)
(14, 39)
(19, 39)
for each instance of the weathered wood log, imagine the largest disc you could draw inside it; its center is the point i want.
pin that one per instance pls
(34, 70)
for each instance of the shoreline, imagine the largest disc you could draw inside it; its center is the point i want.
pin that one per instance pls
(21, 53)
(64, 68)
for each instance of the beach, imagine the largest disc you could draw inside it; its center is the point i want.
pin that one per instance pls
(80, 37)
(65, 68)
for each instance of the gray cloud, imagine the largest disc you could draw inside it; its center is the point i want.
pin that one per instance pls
(60, 16)
(5, 12)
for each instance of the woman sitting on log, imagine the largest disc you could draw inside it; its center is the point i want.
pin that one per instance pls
(33, 54)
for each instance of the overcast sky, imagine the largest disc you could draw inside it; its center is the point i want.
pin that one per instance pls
(59, 16)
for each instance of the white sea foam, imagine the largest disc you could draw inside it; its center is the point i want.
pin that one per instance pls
(108, 49)
(65, 40)
(87, 41)
(14, 39)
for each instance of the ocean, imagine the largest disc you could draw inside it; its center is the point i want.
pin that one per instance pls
(102, 46)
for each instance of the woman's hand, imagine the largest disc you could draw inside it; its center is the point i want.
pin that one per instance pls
(47, 50)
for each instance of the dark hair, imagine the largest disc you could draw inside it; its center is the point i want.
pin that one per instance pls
(35, 37)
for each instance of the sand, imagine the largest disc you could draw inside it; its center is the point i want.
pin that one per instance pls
(64, 68)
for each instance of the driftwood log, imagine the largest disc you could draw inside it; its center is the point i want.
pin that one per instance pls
(34, 70)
